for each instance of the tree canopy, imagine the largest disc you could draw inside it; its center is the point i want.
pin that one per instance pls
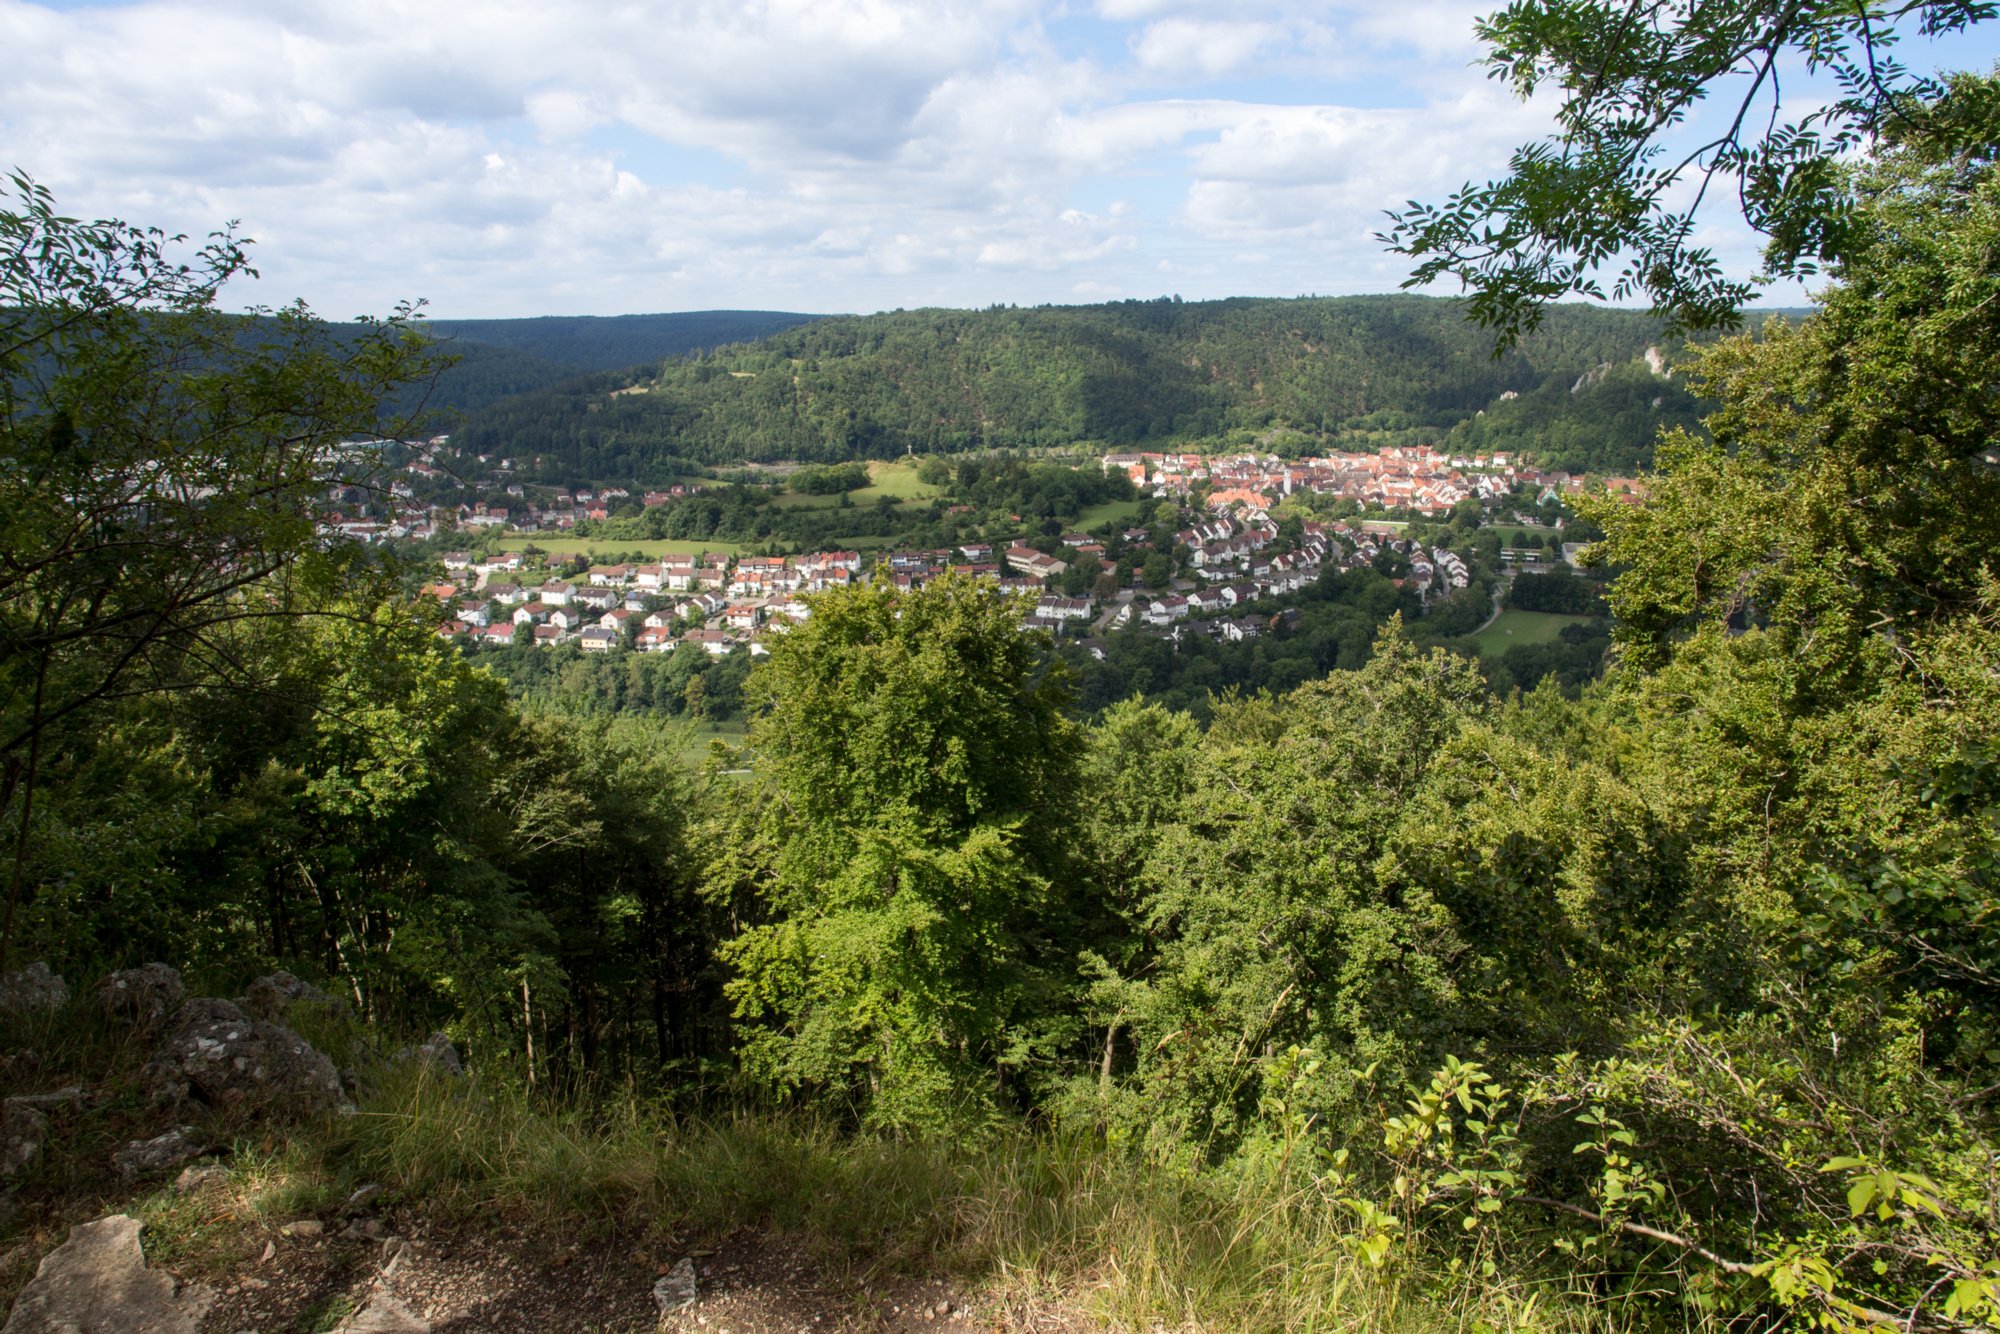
(1620, 187)
(160, 464)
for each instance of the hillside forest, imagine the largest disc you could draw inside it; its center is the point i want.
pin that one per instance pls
(1669, 1002)
(1295, 375)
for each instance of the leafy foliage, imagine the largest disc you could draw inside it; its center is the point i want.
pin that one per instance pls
(1387, 369)
(901, 861)
(1610, 187)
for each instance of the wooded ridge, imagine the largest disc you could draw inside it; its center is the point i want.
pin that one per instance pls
(1301, 372)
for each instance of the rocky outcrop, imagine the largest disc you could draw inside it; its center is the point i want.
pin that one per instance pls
(436, 1054)
(142, 996)
(22, 1130)
(271, 995)
(217, 1055)
(32, 989)
(149, 1157)
(97, 1282)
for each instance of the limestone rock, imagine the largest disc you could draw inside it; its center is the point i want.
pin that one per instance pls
(30, 989)
(194, 1180)
(145, 995)
(145, 1157)
(271, 995)
(22, 1130)
(436, 1054)
(383, 1314)
(203, 1010)
(57, 1100)
(97, 1283)
(218, 1055)
(677, 1289)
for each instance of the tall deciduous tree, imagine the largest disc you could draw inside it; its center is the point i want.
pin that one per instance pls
(159, 467)
(903, 856)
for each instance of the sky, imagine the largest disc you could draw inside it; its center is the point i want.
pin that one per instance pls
(498, 159)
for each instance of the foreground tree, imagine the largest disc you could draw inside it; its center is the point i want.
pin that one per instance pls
(901, 856)
(1611, 188)
(159, 467)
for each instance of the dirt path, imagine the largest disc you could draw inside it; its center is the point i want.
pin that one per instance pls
(1499, 591)
(517, 1281)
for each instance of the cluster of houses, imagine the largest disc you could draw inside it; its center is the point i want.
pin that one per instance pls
(365, 515)
(719, 603)
(1233, 559)
(711, 601)
(371, 514)
(1417, 478)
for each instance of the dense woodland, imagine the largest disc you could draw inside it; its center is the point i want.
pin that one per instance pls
(1295, 375)
(492, 359)
(1675, 1001)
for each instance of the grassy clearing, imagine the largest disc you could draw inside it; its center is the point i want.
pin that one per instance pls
(595, 548)
(1523, 627)
(697, 738)
(897, 479)
(1524, 537)
(1111, 511)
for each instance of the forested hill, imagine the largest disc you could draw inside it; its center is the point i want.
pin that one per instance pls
(497, 358)
(1383, 368)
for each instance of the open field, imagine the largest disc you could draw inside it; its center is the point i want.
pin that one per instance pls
(896, 479)
(595, 547)
(695, 737)
(885, 479)
(1513, 536)
(1522, 627)
(1111, 511)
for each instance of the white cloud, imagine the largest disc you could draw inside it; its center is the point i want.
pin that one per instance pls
(814, 154)
(1203, 47)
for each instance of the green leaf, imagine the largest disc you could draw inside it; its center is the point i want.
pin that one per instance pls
(1860, 1194)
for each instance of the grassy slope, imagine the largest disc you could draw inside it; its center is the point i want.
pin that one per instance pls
(897, 479)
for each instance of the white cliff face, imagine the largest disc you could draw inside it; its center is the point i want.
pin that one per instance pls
(1656, 362)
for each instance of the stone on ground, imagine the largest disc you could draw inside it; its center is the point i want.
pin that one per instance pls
(27, 990)
(677, 1289)
(435, 1054)
(22, 1130)
(384, 1314)
(144, 1157)
(97, 1283)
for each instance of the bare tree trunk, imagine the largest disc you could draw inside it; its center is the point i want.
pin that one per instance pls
(528, 1027)
(23, 777)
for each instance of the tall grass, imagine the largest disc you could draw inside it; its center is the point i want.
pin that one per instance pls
(1028, 1216)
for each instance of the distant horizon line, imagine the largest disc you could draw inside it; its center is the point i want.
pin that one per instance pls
(429, 317)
